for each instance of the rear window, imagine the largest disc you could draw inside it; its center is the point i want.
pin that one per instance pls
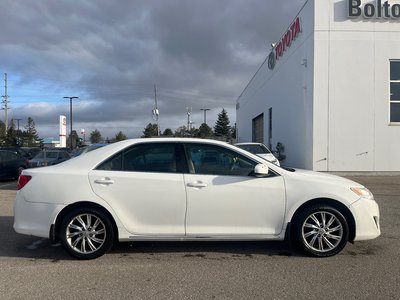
(152, 157)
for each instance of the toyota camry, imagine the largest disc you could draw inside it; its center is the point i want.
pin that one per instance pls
(189, 189)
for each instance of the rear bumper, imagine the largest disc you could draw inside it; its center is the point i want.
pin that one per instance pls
(33, 218)
(367, 218)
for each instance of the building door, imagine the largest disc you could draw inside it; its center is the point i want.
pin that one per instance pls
(258, 129)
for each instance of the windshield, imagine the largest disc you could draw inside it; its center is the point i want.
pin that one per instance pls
(52, 154)
(255, 148)
(39, 155)
(47, 155)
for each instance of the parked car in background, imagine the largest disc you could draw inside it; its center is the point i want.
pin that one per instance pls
(86, 149)
(189, 189)
(66, 149)
(12, 164)
(32, 151)
(260, 150)
(17, 150)
(49, 158)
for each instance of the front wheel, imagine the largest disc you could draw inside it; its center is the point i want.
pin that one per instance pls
(86, 233)
(321, 230)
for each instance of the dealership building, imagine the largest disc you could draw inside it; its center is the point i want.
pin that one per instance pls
(329, 90)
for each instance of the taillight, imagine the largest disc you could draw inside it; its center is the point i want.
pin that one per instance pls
(23, 180)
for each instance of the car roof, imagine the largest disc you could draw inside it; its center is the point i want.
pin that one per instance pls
(249, 143)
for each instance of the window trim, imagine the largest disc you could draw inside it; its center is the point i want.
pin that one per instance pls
(182, 160)
(181, 165)
(272, 172)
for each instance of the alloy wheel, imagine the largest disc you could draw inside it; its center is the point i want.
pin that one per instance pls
(86, 233)
(322, 231)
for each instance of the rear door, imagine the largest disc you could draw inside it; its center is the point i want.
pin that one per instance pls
(144, 185)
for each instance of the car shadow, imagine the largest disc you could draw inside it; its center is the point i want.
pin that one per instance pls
(18, 245)
(24, 246)
(35, 248)
(203, 248)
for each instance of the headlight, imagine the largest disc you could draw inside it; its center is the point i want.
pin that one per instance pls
(362, 192)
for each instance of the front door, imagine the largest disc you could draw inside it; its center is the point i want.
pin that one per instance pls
(225, 199)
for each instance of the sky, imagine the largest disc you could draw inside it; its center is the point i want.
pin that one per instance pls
(110, 54)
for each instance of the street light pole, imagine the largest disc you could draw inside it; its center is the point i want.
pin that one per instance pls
(70, 117)
(205, 114)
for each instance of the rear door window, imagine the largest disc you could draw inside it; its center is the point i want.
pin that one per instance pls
(148, 157)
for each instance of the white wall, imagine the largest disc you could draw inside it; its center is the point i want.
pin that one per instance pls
(351, 117)
(332, 115)
(288, 90)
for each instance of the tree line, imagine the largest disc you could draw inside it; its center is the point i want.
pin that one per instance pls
(221, 130)
(30, 138)
(17, 137)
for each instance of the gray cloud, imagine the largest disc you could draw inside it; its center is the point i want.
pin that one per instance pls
(199, 53)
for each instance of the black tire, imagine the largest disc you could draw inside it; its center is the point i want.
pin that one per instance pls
(86, 233)
(320, 230)
(19, 171)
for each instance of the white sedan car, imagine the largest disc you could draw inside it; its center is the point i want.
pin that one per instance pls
(189, 189)
(260, 150)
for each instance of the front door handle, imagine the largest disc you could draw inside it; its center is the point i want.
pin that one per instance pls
(197, 184)
(104, 181)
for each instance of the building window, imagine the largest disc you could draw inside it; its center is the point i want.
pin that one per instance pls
(395, 91)
(258, 129)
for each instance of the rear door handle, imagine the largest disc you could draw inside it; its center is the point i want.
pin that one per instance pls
(197, 184)
(104, 181)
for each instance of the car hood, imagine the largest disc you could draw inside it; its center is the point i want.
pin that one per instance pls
(312, 175)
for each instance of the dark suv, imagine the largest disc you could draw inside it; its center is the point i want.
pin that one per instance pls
(17, 150)
(11, 164)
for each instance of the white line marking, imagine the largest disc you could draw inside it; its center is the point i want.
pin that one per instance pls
(8, 184)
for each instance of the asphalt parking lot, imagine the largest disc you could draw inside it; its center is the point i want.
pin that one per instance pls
(31, 268)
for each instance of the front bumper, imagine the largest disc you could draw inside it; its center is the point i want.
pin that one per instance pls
(367, 218)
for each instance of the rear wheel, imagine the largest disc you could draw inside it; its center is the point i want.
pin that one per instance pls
(321, 230)
(86, 233)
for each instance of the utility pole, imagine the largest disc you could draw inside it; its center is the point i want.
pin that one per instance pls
(188, 112)
(205, 114)
(70, 117)
(5, 103)
(155, 111)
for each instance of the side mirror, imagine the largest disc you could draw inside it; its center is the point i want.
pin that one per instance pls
(261, 170)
